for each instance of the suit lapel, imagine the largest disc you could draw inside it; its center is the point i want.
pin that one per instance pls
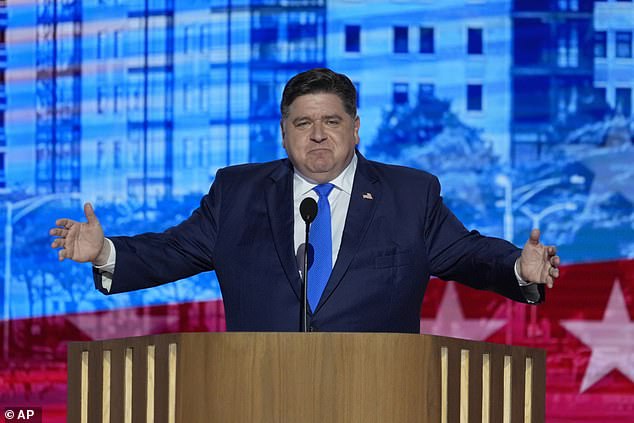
(279, 203)
(366, 195)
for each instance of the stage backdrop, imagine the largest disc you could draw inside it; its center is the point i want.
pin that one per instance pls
(522, 108)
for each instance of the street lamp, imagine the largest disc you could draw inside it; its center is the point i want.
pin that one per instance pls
(21, 209)
(514, 199)
(537, 217)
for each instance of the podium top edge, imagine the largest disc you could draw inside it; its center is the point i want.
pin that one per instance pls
(323, 336)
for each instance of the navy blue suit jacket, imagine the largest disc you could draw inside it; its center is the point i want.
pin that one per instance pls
(391, 245)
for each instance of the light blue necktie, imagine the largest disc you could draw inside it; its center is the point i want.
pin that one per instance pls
(321, 241)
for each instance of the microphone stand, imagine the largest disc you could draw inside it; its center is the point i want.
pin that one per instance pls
(303, 319)
(308, 211)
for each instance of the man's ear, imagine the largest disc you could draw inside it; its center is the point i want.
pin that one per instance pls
(357, 125)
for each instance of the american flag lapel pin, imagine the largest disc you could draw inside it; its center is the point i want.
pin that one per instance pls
(368, 196)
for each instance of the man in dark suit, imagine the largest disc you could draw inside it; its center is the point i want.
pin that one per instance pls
(387, 230)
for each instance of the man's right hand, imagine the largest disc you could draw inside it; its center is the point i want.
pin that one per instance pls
(79, 241)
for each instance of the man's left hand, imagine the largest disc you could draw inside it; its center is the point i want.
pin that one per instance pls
(539, 263)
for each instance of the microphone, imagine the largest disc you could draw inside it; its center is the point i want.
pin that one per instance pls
(308, 211)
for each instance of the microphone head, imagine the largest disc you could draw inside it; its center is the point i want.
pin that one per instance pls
(308, 209)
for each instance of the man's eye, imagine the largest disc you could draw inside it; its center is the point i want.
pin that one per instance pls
(332, 122)
(302, 124)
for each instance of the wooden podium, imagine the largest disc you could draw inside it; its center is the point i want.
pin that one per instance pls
(303, 378)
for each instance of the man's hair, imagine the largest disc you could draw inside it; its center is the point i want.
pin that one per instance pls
(320, 80)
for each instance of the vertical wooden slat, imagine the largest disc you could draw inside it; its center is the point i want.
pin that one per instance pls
(106, 386)
(507, 381)
(171, 396)
(149, 409)
(528, 390)
(85, 357)
(444, 383)
(486, 388)
(127, 386)
(464, 386)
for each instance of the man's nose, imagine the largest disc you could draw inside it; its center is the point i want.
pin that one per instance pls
(317, 133)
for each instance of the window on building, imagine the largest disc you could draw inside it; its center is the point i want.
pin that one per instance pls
(401, 39)
(102, 100)
(204, 150)
(118, 44)
(119, 99)
(205, 38)
(568, 5)
(623, 44)
(190, 95)
(189, 153)
(400, 93)
(623, 97)
(425, 90)
(567, 46)
(204, 88)
(474, 41)
(474, 97)
(600, 43)
(101, 153)
(426, 42)
(117, 154)
(101, 44)
(135, 95)
(353, 38)
(189, 39)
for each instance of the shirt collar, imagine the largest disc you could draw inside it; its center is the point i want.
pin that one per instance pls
(343, 181)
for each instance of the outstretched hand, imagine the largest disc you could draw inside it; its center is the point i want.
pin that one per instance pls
(79, 241)
(539, 263)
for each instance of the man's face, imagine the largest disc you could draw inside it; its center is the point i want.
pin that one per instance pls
(319, 136)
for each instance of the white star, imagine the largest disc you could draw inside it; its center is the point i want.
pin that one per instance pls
(611, 340)
(450, 321)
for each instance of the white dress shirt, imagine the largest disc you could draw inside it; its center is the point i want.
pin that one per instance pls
(339, 200)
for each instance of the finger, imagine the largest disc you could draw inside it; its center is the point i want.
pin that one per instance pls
(58, 232)
(555, 261)
(534, 238)
(61, 254)
(553, 273)
(64, 222)
(90, 214)
(552, 250)
(59, 242)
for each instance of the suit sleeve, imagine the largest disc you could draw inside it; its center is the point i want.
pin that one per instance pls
(153, 259)
(470, 258)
